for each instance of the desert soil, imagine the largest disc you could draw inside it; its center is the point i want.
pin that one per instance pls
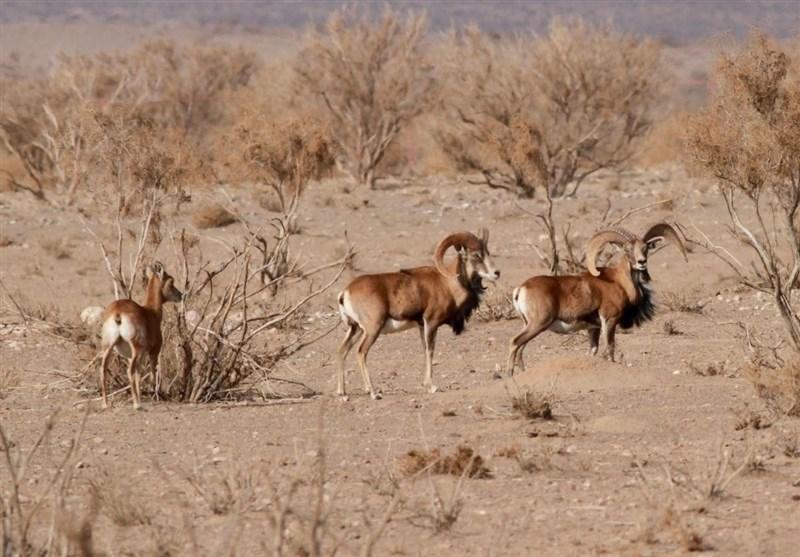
(623, 468)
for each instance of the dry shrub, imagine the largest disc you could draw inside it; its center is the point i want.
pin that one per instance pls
(46, 121)
(117, 500)
(667, 523)
(748, 140)
(145, 169)
(789, 444)
(777, 384)
(547, 112)
(25, 501)
(680, 301)
(463, 462)
(671, 329)
(497, 306)
(226, 489)
(531, 405)
(373, 78)
(212, 215)
(223, 333)
(710, 370)
(283, 154)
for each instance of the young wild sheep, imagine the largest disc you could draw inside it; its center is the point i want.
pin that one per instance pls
(597, 300)
(134, 329)
(425, 297)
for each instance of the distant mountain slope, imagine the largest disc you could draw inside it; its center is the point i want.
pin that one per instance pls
(672, 21)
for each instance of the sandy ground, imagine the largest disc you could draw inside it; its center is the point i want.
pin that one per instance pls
(624, 467)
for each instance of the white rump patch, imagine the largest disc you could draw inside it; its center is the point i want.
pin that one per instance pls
(119, 335)
(396, 325)
(346, 309)
(520, 301)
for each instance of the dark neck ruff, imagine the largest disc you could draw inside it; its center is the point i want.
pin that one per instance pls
(644, 309)
(475, 290)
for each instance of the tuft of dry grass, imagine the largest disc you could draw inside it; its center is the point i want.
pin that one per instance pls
(670, 328)
(789, 444)
(747, 418)
(463, 462)
(531, 405)
(680, 301)
(496, 307)
(777, 385)
(711, 370)
(212, 215)
(117, 501)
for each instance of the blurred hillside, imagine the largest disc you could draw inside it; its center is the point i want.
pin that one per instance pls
(674, 22)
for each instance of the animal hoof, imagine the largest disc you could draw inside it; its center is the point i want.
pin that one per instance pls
(377, 395)
(343, 397)
(432, 388)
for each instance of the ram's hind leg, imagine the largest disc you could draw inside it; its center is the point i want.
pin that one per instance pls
(518, 343)
(350, 339)
(361, 353)
(133, 376)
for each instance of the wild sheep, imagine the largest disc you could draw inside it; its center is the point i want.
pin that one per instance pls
(426, 297)
(597, 300)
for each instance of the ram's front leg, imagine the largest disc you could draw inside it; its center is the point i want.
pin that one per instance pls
(608, 327)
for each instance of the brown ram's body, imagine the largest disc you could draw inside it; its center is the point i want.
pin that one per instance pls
(423, 297)
(598, 300)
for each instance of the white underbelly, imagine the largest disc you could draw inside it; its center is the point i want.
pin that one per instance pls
(562, 327)
(396, 325)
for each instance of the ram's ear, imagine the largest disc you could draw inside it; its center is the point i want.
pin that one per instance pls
(155, 269)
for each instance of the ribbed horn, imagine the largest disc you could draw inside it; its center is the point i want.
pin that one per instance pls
(466, 240)
(613, 236)
(668, 232)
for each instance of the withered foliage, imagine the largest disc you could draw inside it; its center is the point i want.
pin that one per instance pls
(463, 462)
(748, 140)
(45, 120)
(373, 78)
(281, 153)
(546, 112)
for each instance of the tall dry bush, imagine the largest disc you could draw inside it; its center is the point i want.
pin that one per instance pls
(547, 112)
(44, 120)
(748, 140)
(228, 331)
(281, 153)
(373, 77)
(141, 179)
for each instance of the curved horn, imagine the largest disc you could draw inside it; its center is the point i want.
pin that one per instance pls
(668, 232)
(596, 243)
(458, 239)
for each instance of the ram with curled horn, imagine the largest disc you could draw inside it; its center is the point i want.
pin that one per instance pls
(596, 301)
(423, 297)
